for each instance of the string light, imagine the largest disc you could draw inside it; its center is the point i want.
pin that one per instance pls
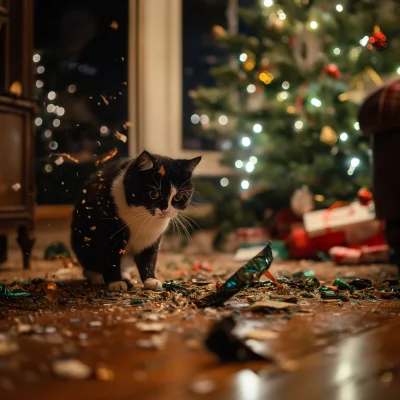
(364, 41)
(48, 168)
(285, 85)
(38, 121)
(71, 89)
(243, 57)
(282, 16)
(224, 182)
(48, 133)
(56, 122)
(316, 102)
(51, 95)
(246, 142)
(39, 83)
(298, 125)
(282, 96)
(204, 119)
(103, 130)
(249, 167)
(339, 8)
(194, 118)
(251, 88)
(223, 119)
(40, 69)
(50, 108)
(398, 71)
(355, 162)
(336, 51)
(268, 3)
(343, 136)
(245, 184)
(253, 159)
(257, 128)
(238, 163)
(53, 145)
(36, 58)
(313, 24)
(357, 126)
(60, 111)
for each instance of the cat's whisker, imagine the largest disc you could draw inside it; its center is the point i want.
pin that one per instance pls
(126, 225)
(189, 219)
(184, 228)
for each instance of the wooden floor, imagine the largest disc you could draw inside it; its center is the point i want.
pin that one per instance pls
(330, 350)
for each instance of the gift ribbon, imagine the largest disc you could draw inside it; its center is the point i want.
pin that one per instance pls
(326, 213)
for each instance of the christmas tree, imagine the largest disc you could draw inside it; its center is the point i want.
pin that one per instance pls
(284, 107)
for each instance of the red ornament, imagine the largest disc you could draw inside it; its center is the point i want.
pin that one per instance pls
(377, 40)
(333, 71)
(365, 197)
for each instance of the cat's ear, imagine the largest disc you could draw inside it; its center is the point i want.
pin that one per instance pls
(145, 161)
(192, 164)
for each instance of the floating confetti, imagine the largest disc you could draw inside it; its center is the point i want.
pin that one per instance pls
(122, 251)
(59, 161)
(114, 25)
(87, 239)
(16, 88)
(104, 99)
(16, 186)
(121, 136)
(93, 228)
(161, 171)
(68, 157)
(111, 154)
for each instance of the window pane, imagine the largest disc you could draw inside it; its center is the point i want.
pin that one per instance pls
(81, 88)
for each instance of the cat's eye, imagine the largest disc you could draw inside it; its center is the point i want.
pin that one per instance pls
(178, 197)
(154, 195)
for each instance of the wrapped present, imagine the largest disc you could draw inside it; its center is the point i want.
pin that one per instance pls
(252, 236)
(338, 218)
(375, 254)
(361, 233)
(345, 255)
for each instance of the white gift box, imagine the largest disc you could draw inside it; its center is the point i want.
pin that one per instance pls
(322, 222)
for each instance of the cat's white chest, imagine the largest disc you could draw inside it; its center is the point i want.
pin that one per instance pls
(143, 227)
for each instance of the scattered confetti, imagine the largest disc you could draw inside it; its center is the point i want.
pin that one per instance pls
(71, 369)
(121, 136)
(104, 99)
(150, 326)
(114, 25)
(111, 154)
(68, 157)
(59, 161)
(95, 323)
(16, 186)
(161, 171)
(105, 374)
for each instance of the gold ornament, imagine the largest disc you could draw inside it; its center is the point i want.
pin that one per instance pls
(328, 135)
(218, 31)
(16, 88)
(361, 85)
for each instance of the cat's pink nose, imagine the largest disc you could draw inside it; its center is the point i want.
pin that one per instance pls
(165, 212)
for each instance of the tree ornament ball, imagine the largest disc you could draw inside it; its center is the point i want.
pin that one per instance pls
(333, 71)
(365, 197)
(218, 31)
(377, 40)
(328, 135)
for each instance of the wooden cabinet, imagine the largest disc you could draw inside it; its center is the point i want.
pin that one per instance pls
(17, 108)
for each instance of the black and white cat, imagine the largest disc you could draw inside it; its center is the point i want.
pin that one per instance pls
(125, 209)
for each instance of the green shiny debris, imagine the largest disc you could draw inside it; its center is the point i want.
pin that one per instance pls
(138, 301)
(303, 274)
(312, 283)
(172, 286)
(15, 293)
(56, 249)
(341, 285)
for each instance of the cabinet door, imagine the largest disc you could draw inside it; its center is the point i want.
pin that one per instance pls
(15, 179)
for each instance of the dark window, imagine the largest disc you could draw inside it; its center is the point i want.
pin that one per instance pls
(81, 88)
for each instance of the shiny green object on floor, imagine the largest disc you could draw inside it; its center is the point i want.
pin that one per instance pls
(241, 279)
(305, 273)
(341, 285)
(15, 293)
(55, 249)
(312, 283)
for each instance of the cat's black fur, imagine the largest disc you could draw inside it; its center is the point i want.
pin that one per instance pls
(100, 235)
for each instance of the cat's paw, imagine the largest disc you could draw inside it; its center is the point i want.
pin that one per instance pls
(119, 286)
(152, 284)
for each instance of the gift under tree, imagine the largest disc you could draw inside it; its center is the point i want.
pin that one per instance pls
(285, 107)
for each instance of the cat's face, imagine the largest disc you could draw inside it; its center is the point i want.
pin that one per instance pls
(160, 184)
